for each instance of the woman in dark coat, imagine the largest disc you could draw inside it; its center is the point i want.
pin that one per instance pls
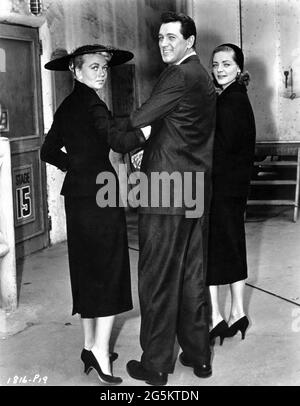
(233, 159)
(97, 238)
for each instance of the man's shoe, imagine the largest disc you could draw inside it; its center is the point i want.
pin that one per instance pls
(185, 362)
(202, 371)
(137, 371)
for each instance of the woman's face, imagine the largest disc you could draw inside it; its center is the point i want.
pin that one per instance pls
(224, 68)
(93, 71)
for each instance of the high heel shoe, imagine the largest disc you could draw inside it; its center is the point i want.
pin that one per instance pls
(219, 331)
(240, 325)
(112, 355)
(91, 362)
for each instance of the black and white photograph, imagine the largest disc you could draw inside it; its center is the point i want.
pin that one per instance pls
(149, 195)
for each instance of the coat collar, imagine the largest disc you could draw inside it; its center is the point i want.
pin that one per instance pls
(234, 87)
(81, 87)
(86, 93)
(190, 59)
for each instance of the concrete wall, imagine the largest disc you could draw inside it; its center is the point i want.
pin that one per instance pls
(128, 24)
(67, 24)
(269, 32)
(272, 44)
(217, 21)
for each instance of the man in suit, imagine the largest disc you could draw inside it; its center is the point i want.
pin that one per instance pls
(172, 263)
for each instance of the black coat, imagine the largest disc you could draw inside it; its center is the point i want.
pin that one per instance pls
(83, 125)
(233, 158)
(181, 111)
(97, 237)
(234, 144)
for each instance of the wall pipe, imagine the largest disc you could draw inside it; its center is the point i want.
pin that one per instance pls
(8, 280)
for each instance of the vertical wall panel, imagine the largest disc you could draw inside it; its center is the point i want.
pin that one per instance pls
(128, 24)
(288, 16)
(270, 36)
(260, 44)
(217, 21)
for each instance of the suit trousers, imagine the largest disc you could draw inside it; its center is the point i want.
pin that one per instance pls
(172, 291)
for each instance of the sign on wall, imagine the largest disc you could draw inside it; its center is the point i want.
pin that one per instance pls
(24, 194)
(4, 126)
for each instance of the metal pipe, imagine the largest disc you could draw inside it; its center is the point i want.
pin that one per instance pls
(240, 17)
(8, 279)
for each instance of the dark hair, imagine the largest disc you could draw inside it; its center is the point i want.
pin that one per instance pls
(238, 57)
(188, 26)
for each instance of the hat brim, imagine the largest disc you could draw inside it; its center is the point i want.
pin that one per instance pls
(62, 64)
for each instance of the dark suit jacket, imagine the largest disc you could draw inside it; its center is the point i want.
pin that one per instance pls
(181, 111)
(234, 142)
(83, 125)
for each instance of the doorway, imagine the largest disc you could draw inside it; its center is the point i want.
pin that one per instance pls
(21, 102)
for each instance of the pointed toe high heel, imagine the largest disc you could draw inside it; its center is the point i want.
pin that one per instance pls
(240, 325)
(219, 331)
(91, 362)
(112, 355)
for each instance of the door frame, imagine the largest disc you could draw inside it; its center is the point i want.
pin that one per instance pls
(31, 34)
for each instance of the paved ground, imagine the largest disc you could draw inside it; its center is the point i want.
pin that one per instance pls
(42, 341)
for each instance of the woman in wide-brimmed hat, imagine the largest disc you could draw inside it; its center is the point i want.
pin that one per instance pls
(97, 239)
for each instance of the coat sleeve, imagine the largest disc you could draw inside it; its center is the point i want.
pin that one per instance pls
(51, 149)
(119, 140)
(164, 98)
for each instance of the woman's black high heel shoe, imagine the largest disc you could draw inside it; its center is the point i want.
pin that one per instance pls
(240, 325)
(112, 355)
(91, 362)
(219, 331)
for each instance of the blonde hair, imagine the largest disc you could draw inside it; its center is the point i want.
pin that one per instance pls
(77, 61)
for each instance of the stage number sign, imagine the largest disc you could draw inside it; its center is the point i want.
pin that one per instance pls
(23, 181)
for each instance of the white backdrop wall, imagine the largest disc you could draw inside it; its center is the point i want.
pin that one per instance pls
(269, 32)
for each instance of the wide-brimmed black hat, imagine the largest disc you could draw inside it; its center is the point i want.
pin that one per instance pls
(118, 56)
